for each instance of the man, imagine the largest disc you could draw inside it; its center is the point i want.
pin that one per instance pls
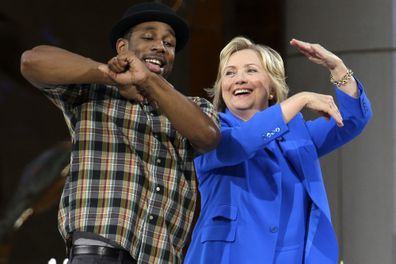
(131, 192)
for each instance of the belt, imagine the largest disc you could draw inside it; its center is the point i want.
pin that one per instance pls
(78, 250)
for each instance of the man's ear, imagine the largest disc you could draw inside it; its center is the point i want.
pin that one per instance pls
(122, 45)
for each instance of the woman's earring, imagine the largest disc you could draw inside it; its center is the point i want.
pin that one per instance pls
(271, 96)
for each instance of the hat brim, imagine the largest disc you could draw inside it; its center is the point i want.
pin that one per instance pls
(178, 25)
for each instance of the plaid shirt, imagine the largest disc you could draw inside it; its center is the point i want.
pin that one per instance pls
(131, 177)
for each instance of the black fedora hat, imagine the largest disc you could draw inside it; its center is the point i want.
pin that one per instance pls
(152, 11)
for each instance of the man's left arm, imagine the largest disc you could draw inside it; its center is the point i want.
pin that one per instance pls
(186, 117)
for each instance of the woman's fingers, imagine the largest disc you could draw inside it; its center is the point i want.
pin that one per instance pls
(325, 105)
(324, 114)
(316, 53)
(335, 113)
(301, 45)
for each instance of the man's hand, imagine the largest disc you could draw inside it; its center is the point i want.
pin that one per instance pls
(129, 74)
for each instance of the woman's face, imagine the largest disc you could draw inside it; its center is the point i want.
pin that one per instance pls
(245, 85)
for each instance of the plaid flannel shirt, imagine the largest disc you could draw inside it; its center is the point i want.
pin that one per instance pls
(131, 177)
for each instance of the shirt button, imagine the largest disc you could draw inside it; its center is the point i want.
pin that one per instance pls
(274, 229)
(151, 217)
(158, 189)
(158, 161)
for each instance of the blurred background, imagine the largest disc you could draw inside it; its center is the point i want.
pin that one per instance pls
(360, 177)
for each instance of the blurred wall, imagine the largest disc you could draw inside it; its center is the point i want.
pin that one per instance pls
(361, 176)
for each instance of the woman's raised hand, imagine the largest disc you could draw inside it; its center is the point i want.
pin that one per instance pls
(319, 55)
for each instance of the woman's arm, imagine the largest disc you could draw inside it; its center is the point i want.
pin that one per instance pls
(240, 141)
(319, 55)
(356, 113)
(353, 103)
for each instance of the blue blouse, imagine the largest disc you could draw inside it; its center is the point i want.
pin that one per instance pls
(262, 193)
(294, 213)
(292, 201)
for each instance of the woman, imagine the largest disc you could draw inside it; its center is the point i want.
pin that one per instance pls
(262, 193)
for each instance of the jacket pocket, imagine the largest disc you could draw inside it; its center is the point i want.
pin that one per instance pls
(221, 224)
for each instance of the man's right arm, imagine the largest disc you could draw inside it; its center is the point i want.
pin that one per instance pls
(47, 65)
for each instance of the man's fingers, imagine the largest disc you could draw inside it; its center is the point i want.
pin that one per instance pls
(107, 71)
(104, 68)
(118, 64)
(132, 93)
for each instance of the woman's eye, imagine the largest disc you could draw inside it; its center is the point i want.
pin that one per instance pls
(251, 70)
(228, 73)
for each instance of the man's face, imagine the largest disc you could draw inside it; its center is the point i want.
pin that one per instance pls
(154, 43)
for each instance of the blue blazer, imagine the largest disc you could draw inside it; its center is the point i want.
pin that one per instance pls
(240, 201)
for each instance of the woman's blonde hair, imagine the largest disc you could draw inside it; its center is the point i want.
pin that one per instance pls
(271, 61)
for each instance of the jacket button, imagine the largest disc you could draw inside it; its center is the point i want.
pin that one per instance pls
(274, 229)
